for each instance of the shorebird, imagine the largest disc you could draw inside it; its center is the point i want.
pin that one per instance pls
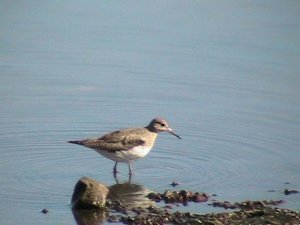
(127, 145)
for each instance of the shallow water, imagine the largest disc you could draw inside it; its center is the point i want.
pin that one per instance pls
(225, 75)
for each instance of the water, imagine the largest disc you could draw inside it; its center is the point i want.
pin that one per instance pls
(224, 74)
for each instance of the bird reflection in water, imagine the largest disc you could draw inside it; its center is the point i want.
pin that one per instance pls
(130, 195)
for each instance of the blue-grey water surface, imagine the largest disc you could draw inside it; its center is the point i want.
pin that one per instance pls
(225, 74)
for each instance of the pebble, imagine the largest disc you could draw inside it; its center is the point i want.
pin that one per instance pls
(45, 211)
(290, 191)
(174, 183)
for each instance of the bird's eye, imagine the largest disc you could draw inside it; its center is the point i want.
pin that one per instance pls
(163, 125)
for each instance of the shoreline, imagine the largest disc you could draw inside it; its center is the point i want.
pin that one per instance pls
(247, 212)
(93, 202)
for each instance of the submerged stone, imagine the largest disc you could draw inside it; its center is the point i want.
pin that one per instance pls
(89, 193)
(290, 191)
(45, 211)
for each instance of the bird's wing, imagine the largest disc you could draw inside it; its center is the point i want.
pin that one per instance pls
(115, 141)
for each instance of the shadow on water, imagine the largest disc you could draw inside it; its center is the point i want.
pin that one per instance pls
(89, 216)
(128, 194)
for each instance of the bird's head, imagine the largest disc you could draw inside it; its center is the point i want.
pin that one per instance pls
(161, 125)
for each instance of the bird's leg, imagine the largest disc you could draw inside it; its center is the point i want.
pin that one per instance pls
(129, 178)
(130, 173)
(116, 179)
(115, 169)
(129, 167)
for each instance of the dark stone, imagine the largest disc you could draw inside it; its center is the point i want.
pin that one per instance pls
(225, 205)
(152, 196)
(256, 213)
(89, 193)
(290, 191)
(199, 197)
(45, 211)
(174, 183)
(183, 193)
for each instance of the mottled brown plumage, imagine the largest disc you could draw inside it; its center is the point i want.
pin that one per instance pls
(128, 144)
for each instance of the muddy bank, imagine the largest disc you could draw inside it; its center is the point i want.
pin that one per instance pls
(266, 215)
(239, 213)
(248, 212)
(135, 204)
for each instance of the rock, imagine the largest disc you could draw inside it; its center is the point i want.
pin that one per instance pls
(200, 197)
(174, 183)
(45, 211)
(290, 191)
(89, 193)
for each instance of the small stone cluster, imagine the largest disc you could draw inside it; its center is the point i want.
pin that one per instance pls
(91, 206)
(266, 215)
(247, 205)
(178, 197)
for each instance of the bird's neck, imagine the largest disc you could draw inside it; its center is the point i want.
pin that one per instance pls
(151, 129)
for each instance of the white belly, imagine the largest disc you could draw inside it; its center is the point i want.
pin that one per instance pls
(126, 156)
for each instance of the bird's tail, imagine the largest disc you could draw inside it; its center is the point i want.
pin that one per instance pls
(77, 142)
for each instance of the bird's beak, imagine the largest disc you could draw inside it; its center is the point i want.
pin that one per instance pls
(171, 132)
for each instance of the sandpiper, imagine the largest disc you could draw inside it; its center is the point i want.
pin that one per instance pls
(127, 145)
